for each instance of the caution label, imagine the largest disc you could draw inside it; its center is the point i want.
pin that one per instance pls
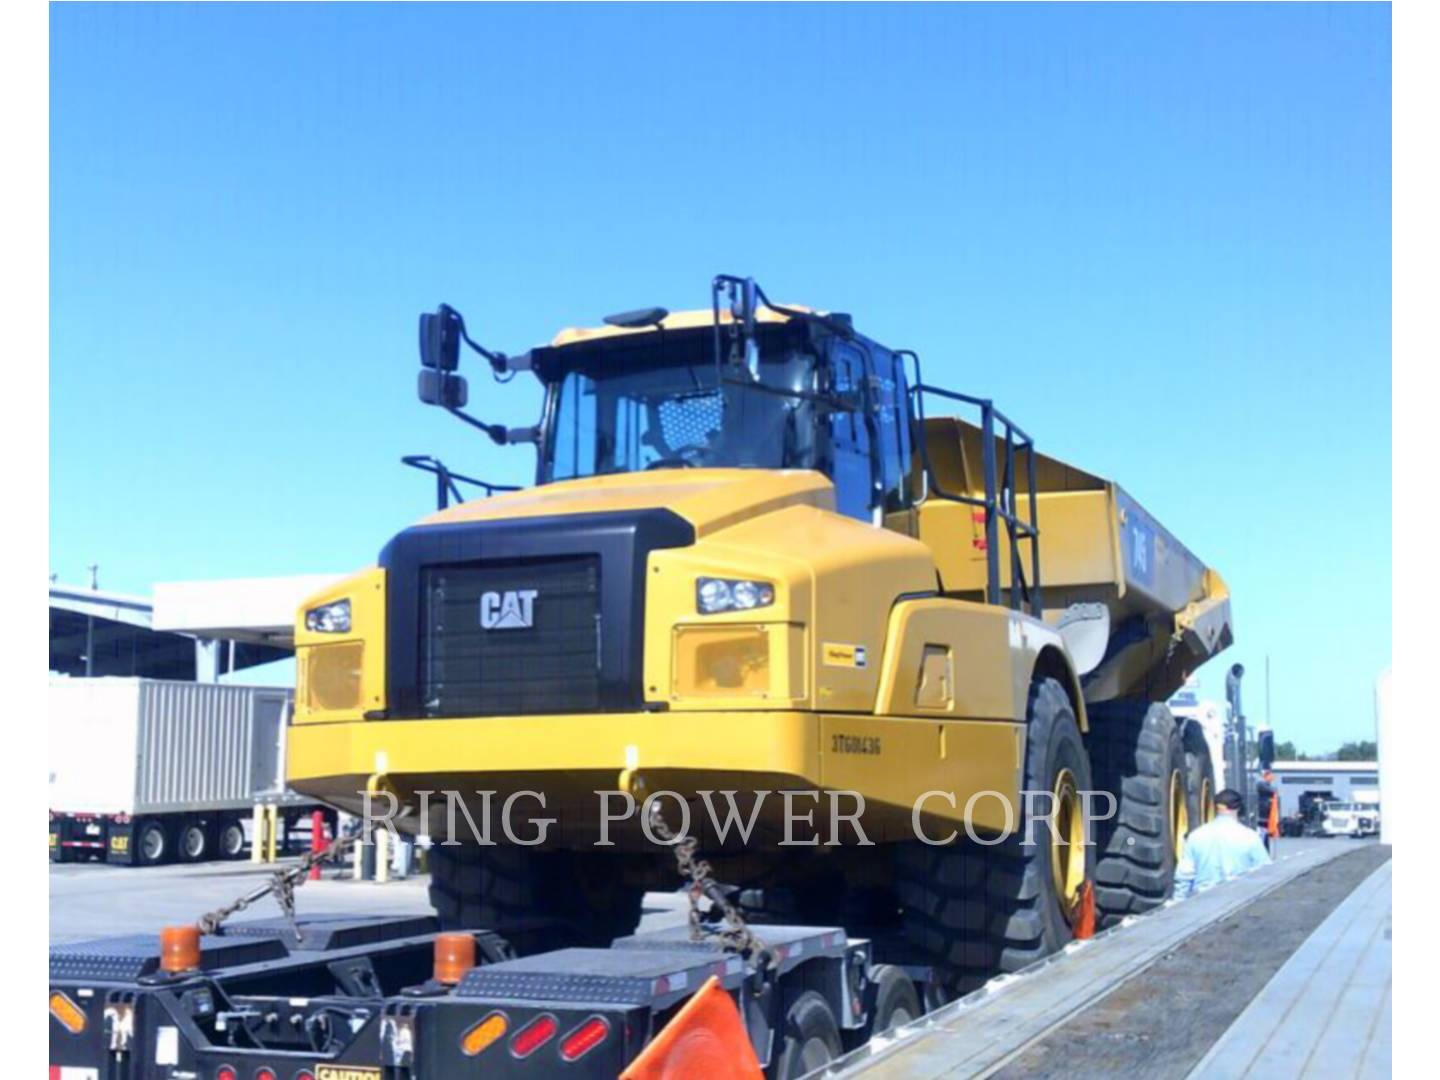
(347, 1072)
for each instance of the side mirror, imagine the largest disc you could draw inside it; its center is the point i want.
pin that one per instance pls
(440, 339)
(443, 389)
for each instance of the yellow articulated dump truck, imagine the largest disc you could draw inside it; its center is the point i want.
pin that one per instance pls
(859, 646)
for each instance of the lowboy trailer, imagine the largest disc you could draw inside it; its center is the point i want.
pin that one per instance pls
(359, 999)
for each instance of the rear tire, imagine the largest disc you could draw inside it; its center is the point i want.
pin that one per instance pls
(896, 1001)
(1199, 775)
(978, 910)
(232, 840)
(812, 1037)
(152, 843)
(1139, 758)
(536, 900)
(194, 843)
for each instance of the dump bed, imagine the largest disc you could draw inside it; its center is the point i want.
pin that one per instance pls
(1139, 611)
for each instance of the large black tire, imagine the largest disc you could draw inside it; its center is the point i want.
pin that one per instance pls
(1199, 774)
(1137, 754)
(812, 1038)
(536, 900)
(978, 910)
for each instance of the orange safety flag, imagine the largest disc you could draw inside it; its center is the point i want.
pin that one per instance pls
(1085, 918)
(705, 1038)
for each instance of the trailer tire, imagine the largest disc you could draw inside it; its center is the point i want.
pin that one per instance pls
(981, 909)
(231, 844)
(812, 1037)
(536, 900)
(1138, 756)
(152, 842)
(194, 843)
(896, 1001)
(1199, 775)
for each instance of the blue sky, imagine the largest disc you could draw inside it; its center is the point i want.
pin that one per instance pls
(1158, 236)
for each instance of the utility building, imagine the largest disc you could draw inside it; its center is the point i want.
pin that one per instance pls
(1333, 781)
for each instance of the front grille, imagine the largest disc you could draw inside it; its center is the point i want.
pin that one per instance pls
(478, 658)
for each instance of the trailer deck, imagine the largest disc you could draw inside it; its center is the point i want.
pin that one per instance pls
(1165, 994)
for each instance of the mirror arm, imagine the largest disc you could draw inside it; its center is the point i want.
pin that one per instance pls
(500, 363)
(498, 433)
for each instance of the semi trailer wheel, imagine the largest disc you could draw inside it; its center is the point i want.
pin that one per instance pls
(1138, 756)
(536, 900)
(978, 910)
(896, 1001)
(1199, 774)
(812, 1037)
(194, 842)
(152, 843)
(232, 840)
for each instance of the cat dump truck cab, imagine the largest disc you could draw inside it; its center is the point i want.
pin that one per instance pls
(854, 648)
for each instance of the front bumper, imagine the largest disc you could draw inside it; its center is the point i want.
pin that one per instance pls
(890, 761)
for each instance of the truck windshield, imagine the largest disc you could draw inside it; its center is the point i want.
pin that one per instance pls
(630, 410)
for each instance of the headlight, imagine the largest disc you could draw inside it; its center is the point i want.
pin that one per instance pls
(329, 618)
(713, 595)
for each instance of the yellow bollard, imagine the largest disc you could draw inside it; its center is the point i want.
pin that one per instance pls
(272, 833)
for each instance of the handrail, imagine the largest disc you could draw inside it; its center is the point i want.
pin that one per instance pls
(1000, 502)
(447, 482)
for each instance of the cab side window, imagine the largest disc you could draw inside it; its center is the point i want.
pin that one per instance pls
(891, 406)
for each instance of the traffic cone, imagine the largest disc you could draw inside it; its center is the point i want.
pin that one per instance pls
(1085, 919)
(705, 1038)
(319, 842)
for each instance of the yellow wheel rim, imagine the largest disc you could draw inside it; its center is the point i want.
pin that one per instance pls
(1179, 812)
(1067, 847)
(1207, 801)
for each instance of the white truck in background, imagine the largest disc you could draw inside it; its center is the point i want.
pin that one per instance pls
(1357, 819)
(1210, 715)
(145, 771)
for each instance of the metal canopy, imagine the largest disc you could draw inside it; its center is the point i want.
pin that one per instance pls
(255, 611)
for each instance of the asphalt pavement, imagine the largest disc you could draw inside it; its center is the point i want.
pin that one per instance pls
(90, 900)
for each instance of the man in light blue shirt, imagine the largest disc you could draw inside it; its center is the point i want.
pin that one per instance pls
(1219, 850)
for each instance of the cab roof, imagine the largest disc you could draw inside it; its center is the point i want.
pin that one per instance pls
(678, 320)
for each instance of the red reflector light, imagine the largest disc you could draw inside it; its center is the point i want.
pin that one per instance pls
(263, 1073)
(225, 1072)
(585, 1038)
(533, 1036)
(304, 1074)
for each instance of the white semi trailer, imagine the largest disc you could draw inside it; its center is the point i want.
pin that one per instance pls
(144, 771)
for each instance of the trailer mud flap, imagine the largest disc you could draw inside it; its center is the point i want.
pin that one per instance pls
(119, 847)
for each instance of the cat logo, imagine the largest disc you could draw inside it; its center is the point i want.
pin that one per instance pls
(346, 1072)
(513, 610)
